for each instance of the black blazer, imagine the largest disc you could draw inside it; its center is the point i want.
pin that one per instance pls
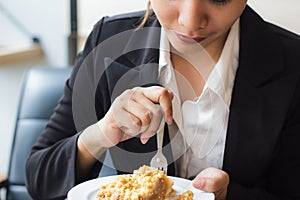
(262, 153)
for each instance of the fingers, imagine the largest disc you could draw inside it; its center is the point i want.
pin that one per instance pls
(137, 111)
(154, 124)
(213, 180)
(163, 97)
(135, 118)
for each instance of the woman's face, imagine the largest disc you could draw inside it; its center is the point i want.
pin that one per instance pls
(205, 22)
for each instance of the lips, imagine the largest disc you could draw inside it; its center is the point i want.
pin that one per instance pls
(188, 39)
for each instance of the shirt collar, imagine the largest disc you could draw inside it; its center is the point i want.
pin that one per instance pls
(222, 77)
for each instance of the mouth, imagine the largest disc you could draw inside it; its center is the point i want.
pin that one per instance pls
(188, 39)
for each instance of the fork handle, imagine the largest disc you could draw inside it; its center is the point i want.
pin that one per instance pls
(160, 133)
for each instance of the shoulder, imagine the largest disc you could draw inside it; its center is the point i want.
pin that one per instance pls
(290, 44)
(275, 38)
(132, 16)
(111, 25)
(108, 26)
(267, 46)
(283, 32)
(255, 24)
(285, 35)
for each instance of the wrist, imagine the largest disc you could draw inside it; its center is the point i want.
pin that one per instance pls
(91, 141)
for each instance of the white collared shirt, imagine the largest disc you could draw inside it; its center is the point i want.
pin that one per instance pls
(199, 132)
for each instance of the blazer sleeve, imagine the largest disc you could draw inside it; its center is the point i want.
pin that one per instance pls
(51, 165)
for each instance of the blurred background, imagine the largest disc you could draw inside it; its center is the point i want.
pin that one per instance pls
(44, 33)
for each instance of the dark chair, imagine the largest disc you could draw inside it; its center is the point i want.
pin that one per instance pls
(41, 89)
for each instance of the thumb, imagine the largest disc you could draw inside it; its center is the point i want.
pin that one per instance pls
(200, 183)
(212, 180)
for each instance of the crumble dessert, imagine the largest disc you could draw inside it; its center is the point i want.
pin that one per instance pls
(146, 183)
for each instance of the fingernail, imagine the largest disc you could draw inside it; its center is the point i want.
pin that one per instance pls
(169, 120)
(144, 140)
(198, 183)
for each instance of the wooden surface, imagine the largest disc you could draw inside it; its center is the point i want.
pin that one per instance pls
(15, 54)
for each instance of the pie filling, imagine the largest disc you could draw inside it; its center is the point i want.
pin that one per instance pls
(146, 183)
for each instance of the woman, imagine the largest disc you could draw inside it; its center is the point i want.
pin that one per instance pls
(228, 86)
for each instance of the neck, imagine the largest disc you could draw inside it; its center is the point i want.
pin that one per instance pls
(192, 70)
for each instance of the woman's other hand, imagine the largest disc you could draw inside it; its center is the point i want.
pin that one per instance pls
(136, 111)
(213, 180)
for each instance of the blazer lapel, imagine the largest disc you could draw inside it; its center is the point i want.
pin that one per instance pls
(260, 51)
(254, 120)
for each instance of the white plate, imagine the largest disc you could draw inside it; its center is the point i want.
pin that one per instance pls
(88, 190)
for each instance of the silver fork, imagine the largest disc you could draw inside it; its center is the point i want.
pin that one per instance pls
(159, 161)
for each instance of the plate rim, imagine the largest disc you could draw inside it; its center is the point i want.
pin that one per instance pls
(89, 186)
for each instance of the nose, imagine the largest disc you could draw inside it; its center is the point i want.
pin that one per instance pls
(193, 15)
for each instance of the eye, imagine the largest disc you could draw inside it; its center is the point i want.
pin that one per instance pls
(219, 2)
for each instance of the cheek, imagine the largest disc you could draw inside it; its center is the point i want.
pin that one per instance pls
(166, 17)
(223, 19)
(165, 21)
(222, 23)
(225, 24)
